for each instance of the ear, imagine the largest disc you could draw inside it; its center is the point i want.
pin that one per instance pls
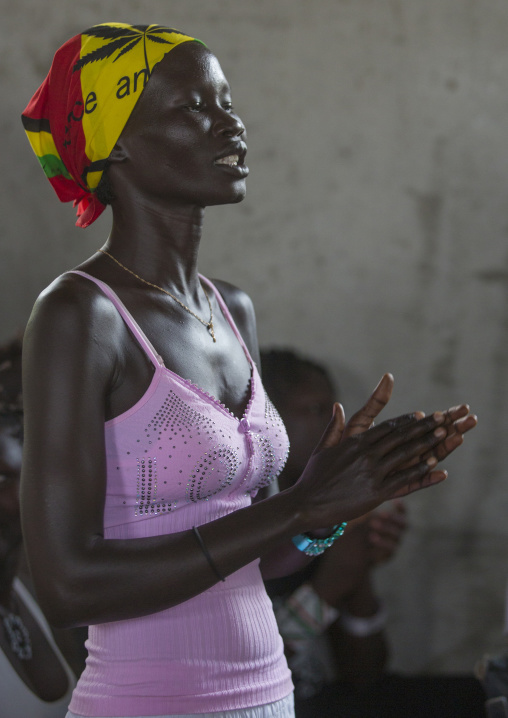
(118, 153)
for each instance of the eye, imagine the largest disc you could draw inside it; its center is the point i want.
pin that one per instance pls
(195, 106)
(228, 106)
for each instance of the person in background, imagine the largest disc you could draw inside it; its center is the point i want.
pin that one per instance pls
(329, 615)
(35, 679)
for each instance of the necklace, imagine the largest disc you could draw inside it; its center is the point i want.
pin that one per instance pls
(208, 324)
(17, 634)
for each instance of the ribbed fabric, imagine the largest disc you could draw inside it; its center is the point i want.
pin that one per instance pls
(285, 708)
(179, 458)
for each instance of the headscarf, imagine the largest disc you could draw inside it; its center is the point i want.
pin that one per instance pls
(78, 113)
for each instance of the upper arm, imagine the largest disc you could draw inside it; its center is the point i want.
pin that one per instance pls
(68, 368)
(242, 310)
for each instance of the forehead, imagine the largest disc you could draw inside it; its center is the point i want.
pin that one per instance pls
(189, 66)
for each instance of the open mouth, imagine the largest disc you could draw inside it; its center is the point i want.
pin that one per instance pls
(234, 163)
(230, 160)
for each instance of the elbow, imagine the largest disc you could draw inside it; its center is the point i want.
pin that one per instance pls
(63, 599)
(63, 605)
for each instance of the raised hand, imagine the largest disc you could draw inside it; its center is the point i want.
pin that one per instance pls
(362, 420)
(458, 421)
(355, 468)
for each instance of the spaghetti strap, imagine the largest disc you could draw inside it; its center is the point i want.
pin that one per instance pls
(134, 327)
(227, 314)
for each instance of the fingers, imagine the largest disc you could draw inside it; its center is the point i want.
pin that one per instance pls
(385, 531)
(387, 523)
(416, 483)
(364, 418)
(395, 432)
(456, 412)
(464, 425)
(420, 449)
(333, 432)
(456, 428)
(399, 509)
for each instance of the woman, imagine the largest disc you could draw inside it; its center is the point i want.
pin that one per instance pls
(150, 432)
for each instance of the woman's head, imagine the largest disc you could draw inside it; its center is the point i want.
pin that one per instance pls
(183, 141)
(77, 115)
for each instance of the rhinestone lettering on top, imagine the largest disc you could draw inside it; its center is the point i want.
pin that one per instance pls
(177, 422)
(147, 501)
(177, 417)
(272, 416)
(269, 464)
(219, 460)
(267, 460)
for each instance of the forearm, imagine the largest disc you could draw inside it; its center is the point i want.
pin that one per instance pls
(113, 579)
(94, 580)
(284, 560)
(287, 559)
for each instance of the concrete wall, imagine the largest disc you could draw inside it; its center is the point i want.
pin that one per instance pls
(373, 237)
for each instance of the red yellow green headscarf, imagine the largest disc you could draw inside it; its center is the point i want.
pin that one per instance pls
(78, 113)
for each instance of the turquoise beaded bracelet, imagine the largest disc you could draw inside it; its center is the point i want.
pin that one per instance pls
(315, 547)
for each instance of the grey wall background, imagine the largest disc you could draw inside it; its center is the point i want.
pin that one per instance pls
(374, 237)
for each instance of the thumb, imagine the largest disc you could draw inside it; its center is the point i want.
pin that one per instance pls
(333, 432)
(364, 418)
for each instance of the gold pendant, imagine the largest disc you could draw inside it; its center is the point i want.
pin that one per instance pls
(210, 329)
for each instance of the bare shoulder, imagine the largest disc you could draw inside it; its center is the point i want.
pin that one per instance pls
(239, 303)
(242, 310)
(71, 319)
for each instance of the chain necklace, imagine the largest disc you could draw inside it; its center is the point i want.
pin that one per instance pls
(208, 324)
(17, 634)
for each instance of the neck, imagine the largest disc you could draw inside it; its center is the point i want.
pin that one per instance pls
(160, 244)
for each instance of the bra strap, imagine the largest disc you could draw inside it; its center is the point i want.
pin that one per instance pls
(134, 327)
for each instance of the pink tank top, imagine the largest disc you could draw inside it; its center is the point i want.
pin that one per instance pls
(176, 459)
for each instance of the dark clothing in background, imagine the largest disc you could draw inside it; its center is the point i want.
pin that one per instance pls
(393, 696)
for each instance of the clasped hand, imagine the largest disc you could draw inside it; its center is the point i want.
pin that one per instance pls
(357, 466)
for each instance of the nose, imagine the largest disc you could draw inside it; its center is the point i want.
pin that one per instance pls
(230, 125)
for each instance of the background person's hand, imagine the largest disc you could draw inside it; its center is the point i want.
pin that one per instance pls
(385, 530)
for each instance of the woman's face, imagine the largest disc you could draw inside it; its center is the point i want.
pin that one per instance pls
(10, 468)
(183, 142)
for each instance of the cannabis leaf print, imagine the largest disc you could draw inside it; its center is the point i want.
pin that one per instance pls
(122, 40)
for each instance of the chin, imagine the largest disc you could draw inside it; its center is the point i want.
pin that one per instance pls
(238, 194)
(233, 198)
(239, 197)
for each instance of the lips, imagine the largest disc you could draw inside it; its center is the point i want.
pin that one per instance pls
(230, 160)
(233, 162)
